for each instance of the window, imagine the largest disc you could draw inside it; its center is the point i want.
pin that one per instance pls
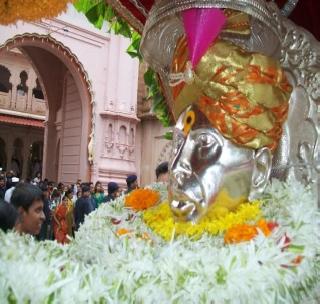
(22, 88)
(5, 85)
(37, 91)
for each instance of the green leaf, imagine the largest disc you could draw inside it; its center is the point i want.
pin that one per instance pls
(109, 14)
(168, 135)
(149, 77)
(96, 14)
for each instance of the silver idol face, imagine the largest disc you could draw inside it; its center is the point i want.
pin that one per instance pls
(203, 164)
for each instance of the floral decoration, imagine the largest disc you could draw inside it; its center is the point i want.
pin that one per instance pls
(161, 221)
(141, 199)
(12, 11)
(245, 232)
(99, 266)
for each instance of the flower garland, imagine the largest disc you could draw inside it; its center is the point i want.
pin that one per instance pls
(161, 221)
(135, 265)
(244, 232)
(12, 11)
(141, 199)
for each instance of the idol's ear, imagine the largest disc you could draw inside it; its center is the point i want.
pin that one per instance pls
(261, 172)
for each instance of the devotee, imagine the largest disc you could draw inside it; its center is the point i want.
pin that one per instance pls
(11, 187)
(37, 179)
(60, 225)
(70, 217)
(79, 194)
(9, 177)
(2, 187)
(83, 206)
(27, 199)
(162, 172)
(132, 183)
(8, 216)
(98, 194)
(113, 192)
(46, 225)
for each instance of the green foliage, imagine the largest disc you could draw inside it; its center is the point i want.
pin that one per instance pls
(97, 11)
(159, 106)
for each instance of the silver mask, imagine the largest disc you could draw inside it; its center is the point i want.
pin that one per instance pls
(204, 163)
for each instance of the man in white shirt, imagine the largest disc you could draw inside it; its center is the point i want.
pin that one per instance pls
(7, 196)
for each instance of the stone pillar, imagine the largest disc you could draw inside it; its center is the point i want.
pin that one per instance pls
(49, 148)
(25, 156)
(31, 83)
(14, 80)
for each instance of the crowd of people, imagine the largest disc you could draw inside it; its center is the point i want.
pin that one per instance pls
(55, 211)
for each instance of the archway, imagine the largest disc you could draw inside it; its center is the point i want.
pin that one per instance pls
(68, 94)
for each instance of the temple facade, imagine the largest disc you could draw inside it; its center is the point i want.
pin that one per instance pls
(72, 104)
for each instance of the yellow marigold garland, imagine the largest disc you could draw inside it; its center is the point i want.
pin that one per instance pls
(12, 11)
(161, 221)
(141, 199)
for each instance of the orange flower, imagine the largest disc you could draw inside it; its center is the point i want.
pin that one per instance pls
(263, 226)
(245, 232)
(123, 231)
(297, 260)
(141, 199)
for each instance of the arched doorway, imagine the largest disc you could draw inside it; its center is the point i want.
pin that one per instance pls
(17, 157)
(68, 95)
(35, 159)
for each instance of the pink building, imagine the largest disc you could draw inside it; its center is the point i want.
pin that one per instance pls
(69, 104)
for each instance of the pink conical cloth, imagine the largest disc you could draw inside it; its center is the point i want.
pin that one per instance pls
(202, 26)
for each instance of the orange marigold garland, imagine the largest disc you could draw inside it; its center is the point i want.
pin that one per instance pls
(244, 232)
(141, 199)
(12, 11)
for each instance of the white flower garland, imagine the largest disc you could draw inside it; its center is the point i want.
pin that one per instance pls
(99, 266)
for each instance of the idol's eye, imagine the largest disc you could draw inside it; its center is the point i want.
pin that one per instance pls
(209, 147)
(205, 140)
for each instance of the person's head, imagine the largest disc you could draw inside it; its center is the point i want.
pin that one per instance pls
(113, 189)
(8, 216)
(27, 199)
(60, 186)
(79, 194)
(132, 181)
(64, 200)
(55, 193)
(69, 194)
(91, 185)
(2, 182)
(85, 191)
(162, 172)
(10, 174)
(98, 187)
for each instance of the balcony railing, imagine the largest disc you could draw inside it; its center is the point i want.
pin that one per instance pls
(21, 103)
